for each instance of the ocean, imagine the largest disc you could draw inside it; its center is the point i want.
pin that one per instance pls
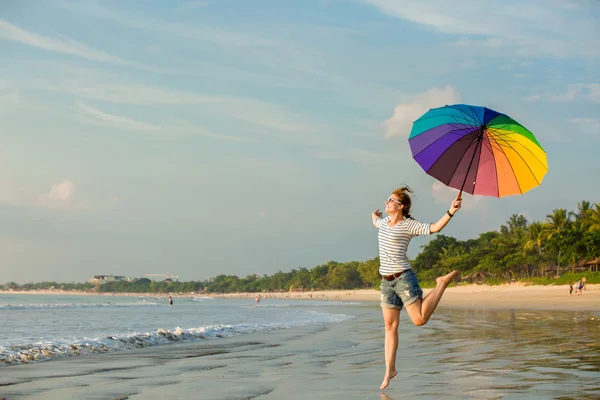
(214, 348)
(36, 328)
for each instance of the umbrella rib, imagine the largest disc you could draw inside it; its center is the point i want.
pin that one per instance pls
(463, 156)
(473, 117)
(524, 162)
(511, 167)
(466, 121)
(489, 137)
(533, 155)
(470, 119)
(481, 143)
(445, 134)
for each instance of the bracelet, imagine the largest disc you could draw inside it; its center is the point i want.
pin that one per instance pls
(450, 215)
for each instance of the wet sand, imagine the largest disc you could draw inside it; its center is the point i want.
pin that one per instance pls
(459, 354)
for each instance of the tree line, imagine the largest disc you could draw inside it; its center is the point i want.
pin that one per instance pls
(519, 250)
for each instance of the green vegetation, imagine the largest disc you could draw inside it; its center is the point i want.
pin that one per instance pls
(563, 248)
(48, 286)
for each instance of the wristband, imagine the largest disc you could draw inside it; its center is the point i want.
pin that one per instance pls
(450, 215)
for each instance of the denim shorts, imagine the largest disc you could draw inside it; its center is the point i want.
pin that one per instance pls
(402, 291)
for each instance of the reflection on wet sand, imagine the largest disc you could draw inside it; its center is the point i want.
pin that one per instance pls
(510, 352)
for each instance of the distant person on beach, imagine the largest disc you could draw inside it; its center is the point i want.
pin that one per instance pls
(570, 288)
(399, 284)
(170, 301)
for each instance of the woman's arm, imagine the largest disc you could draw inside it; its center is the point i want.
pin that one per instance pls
(438, 226)
(375, 216)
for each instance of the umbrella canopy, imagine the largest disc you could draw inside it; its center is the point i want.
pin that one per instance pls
(477, 150)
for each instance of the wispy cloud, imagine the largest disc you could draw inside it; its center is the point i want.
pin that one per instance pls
(589, 126)
(261, 118)
(400, 123)
(589, 92)
(532, 98)
(360, 156)
(532, 26)
(63, 45)
(96, 116)
(92, 115)
(203, 33)
(567, 5)
(132, 94)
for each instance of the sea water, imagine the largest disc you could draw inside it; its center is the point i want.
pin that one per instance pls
(36, 328)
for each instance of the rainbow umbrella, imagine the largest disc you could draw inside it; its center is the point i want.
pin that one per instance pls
(477, 150)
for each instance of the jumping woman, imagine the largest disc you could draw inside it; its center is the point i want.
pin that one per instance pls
(399, 284)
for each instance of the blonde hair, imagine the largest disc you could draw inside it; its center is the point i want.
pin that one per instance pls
(404, 198)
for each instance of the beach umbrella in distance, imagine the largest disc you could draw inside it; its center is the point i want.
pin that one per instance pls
(477, 150)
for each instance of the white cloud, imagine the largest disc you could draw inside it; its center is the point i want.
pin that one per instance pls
(259, 117)
(133, 94)
(59, 196)
(63, 45)
(94, 115)
(589, 92)
(360, 156)
(567, 5)
(445, 195)
(535, 97)
(198, 34)
(532, 27)
(589, 126)
(405, 114)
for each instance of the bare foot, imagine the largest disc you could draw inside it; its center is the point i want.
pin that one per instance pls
(445, 280)
(387, 379)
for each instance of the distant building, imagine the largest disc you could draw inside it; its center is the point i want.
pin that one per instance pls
(101, 279)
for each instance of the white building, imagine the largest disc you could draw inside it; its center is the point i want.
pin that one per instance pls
(101, 279)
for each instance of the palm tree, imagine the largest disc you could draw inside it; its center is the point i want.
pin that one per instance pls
(595, 217)
(534, 241)
(558, 220)
(584, 213)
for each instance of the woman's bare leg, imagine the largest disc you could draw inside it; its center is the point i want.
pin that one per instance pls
(420, 311)
(391, 319)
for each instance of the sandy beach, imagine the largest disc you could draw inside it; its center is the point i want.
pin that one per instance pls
(507, 296)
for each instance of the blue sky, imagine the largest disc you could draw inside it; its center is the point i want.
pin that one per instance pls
(239, 137)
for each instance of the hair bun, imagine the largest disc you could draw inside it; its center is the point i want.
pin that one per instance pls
(406, 189)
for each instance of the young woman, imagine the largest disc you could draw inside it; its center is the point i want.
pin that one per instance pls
(399, 285)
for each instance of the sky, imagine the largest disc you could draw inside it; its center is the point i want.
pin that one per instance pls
(199, 138)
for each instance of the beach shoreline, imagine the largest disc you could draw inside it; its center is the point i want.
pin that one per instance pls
(506, 296)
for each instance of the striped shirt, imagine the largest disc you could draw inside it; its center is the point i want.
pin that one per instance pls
(393, 243)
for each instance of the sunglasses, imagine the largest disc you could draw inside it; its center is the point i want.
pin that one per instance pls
(392, 199)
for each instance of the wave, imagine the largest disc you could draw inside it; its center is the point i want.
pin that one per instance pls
(75, 305)
(202, 298)
(44, 351)
(299, 304)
